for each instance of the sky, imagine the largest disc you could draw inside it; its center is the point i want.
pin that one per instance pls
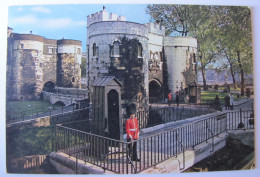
(66, 21)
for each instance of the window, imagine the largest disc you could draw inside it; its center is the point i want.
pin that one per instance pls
(116, 48)
(194, 64)
(194, 58)
(78, 51)
(21, 46)
(94, 50)
(139, 50)
(50, 50)
(161, 57)
(73, 79)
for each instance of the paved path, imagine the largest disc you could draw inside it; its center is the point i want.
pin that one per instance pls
(165, 141)
(63, 110)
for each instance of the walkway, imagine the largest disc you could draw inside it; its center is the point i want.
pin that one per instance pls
(35, 115)
(159, 143)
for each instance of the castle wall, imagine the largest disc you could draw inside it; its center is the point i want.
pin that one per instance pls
(156, 33)
(49, 69)
(68, 64)
(103, 34)
(103, 16)
(26, 73)
(180, 53)
(32, 61)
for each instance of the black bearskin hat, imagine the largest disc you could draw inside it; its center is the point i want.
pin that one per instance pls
(131, 109)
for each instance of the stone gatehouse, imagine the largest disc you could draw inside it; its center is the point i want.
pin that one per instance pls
(35, 63)
(160, 55)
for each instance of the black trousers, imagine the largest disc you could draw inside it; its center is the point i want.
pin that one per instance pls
(132, 148)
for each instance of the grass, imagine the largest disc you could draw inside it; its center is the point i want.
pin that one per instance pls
(211, 94)
(231, 88)
(26, 107)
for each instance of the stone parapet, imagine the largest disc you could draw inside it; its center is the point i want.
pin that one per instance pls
(191, 157)
(156, 28)
(67, 165)
(180, 41)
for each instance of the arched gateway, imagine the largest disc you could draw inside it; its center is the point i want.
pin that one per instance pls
(49, 86)
(155, 91)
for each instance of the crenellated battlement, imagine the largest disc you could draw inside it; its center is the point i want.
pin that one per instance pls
(104, 16)
(156, 28)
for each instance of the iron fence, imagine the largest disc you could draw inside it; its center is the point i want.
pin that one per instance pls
(240, 119)
(167, 114)
(113, 155)
(31, 112)
(48, 112)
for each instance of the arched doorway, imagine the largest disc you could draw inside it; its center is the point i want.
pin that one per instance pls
(155, 91)
(113, 114)
(59, 103)
(49, 86)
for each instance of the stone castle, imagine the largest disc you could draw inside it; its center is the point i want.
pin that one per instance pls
(104, 31)
(35, 63)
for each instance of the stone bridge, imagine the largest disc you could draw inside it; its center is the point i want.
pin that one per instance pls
(63, 99)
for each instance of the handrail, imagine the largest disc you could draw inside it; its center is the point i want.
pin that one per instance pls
(183, 152)
(211, 136)
(14, 121)
(153, 149)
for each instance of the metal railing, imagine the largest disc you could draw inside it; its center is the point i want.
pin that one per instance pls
(240, 119)
(32, 112)
(167, 114)
(113, 155)
(50, 112)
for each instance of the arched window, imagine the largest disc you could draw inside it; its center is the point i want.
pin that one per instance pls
(116, 49)
(73, 79)
(194, 63)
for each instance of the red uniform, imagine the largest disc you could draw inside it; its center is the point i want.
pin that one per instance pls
(132, 128)
(170, 97)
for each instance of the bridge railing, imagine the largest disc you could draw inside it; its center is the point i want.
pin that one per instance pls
(39, 112)
(113, 155)
(240, 119)
(167, 114)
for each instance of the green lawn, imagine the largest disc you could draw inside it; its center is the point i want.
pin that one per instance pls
(16, 108)
(231, 88)
(210, 95)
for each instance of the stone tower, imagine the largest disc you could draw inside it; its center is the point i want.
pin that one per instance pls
(34, 62)
(180, 53)
(68, 63)
(104, 31)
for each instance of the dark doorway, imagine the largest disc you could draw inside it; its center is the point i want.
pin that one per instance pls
(113, 114)
(155, 93)
(59, 103)
(49, 86)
